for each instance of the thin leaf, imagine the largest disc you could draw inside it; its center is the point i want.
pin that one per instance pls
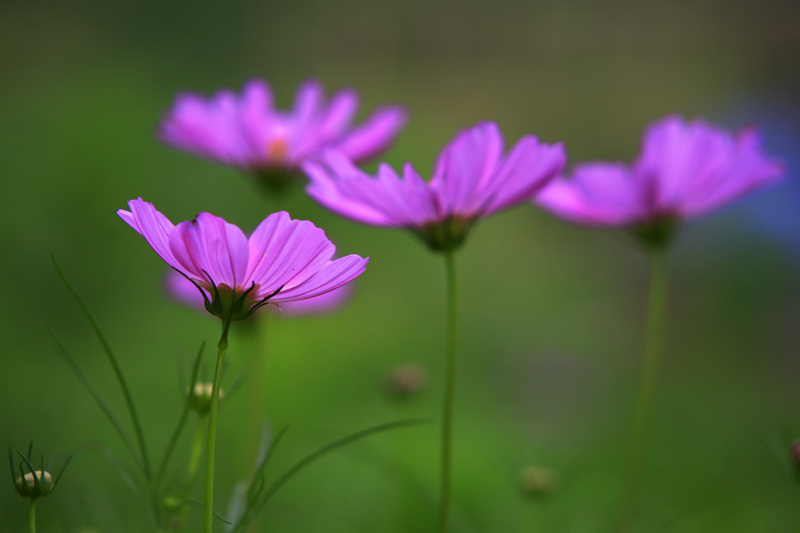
(96, 396)
(145, 463)
(216, 514)
(300, 465)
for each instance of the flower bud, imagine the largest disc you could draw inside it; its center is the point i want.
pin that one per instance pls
(25, 485)
(201, 399)
(406, 380)
(538, 481)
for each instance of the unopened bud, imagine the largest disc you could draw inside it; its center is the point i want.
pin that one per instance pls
(201, 399)
(26, 484)
(406, 380)
(538, 481)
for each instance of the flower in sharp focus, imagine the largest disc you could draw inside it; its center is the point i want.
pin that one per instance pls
(472, 179)
(284, 260)
(247, 132)
(185, 292)
(685, 170)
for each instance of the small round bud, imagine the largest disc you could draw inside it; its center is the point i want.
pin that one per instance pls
(201, 399)
(406, 380)
(26, 484)
(538, 481)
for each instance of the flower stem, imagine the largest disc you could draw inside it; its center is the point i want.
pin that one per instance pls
(208, 502)
(449, 393)
(654, 349)
(32, 516)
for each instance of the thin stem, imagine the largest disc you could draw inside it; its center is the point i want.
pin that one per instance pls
(449, 393)
(32, 516)
(654, 349)
(208, 509)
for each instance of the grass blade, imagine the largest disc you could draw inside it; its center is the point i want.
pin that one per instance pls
(145, 463)
(126, 439)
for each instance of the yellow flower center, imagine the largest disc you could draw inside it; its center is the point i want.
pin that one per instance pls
(277, 150)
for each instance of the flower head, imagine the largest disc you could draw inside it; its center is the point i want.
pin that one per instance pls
(284, 260)
(35, 483)
(247, 132)
(184, 291)
(472, 179)
(685, 169)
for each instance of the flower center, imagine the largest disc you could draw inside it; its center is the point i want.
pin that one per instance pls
(277, 150)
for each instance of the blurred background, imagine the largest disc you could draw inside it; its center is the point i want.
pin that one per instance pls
(552, 315)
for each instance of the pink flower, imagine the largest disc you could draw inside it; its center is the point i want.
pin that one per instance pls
(247, 132)
(185, 292)
(472, 180)
(284, 260)
(685, 170)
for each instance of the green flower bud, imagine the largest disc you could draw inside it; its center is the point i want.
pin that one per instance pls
(201, 399)
(26, 484)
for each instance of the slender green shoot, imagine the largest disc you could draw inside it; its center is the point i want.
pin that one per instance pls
(653, 354)
(451, 368)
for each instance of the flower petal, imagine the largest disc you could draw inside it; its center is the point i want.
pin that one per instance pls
(375, 135)
(285, 253)
(153, 226)
(332, 276)
(211, 249)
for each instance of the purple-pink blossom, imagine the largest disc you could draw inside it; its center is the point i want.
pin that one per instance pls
(185, 292)
(284, 260)
(685, 170)
(473, 178)
(247, 131)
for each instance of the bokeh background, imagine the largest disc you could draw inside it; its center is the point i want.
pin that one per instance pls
(552, 315)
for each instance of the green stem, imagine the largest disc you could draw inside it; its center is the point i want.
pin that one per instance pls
(32, 516)
(208, 502)
(654, 349)
(449, 393)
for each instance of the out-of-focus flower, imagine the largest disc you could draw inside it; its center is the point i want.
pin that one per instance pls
(247, 132)
(184, 291)
(685, 170)
(407, 380)
(284, 260)
(537, 481)
(472, 180)
(200, 399)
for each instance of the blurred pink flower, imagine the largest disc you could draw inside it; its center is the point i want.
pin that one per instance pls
(185, 292)
(247, 132)
(686, 169)
(284, 260)
(472, 180)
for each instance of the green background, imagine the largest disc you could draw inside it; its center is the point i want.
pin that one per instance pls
(552, 315)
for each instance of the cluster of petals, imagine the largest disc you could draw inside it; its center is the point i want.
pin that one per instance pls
(472, 179)
(184, 291)
(685, 169)
(283, 260)
(246, 131)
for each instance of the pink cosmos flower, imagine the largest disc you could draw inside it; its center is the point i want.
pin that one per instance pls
(284, 260)
(473, 179)
(686, 169)
(247, 132)
(185, 292)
